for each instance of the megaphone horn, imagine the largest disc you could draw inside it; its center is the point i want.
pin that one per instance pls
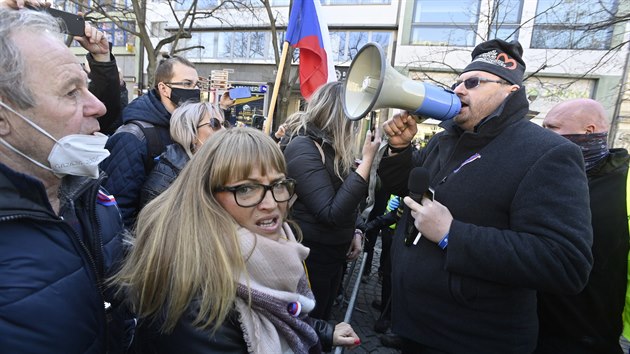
(371, 84)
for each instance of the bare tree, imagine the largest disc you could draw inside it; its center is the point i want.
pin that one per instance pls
(184, 12)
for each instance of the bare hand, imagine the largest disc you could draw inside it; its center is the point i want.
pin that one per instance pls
(356, 246)
(280, 132)
(226, 101)
(370, 146)
(344, 335)
(95, 42)
(432, 218)
(400, 129)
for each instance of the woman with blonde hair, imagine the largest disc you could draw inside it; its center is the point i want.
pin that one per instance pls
(320, 158)
(191, 125)
(215, 268)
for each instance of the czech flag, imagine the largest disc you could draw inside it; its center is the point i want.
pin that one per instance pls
(306, 30)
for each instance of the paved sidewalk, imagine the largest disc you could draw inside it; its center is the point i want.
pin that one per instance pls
(364, 315)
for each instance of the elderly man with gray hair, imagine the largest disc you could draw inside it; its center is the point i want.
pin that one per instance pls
(59, 230)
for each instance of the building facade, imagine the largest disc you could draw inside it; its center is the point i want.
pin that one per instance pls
(573, 48)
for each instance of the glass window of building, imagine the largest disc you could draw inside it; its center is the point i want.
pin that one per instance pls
(184, 5)
(505, 19)
(116, 35)
(346, 44)
(355, 2)
(573, 24)
(444, 22)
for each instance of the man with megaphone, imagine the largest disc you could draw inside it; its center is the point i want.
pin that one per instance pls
(509, 216)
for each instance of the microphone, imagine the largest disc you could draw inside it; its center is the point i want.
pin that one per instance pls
(418, 183)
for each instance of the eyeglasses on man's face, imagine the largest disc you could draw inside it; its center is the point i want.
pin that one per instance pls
(189, 85)
(216, 124)
(473, 82)
(251, 194)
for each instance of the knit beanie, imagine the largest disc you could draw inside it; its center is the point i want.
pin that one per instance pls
(501, 58)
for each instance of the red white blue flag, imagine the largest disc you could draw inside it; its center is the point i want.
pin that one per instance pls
(307, 30)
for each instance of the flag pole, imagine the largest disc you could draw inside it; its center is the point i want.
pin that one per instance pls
(276, 88)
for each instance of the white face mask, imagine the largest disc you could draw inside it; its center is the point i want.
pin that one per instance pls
(75, 154)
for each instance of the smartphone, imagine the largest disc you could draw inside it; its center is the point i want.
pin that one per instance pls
(240, 92)
(74, 24)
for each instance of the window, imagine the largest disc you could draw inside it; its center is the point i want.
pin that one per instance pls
(117, 36)
(573, 24)
(355, 2)
(184, 5)
(506, 19)
(345, 45)
(444, 22)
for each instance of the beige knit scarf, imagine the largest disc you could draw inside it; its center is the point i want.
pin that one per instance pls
(275, 279)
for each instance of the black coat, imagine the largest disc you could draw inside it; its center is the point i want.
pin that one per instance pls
(228, 339)
(521, 224)
(327, 207)
(167, 168)
(53, 268)
(590, 322)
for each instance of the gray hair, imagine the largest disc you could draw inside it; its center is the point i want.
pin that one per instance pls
(185, 120)
(12, 67)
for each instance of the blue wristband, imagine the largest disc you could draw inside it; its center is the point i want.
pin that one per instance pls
(444, 242)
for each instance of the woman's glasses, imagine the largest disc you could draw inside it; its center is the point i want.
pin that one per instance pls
(215, 124)
(473, 82)
(251, 194)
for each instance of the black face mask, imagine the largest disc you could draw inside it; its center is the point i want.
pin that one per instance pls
(179, 95)
(594, 147)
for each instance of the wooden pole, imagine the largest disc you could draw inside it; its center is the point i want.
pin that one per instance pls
(276, 88)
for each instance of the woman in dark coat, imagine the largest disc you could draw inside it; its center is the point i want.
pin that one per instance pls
(320, 158)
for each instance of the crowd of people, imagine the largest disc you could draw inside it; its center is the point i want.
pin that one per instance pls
(175, 232)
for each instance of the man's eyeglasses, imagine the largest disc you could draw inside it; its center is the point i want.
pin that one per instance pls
(251, 194)
(185, 84)
(216, 124)
(473, 82)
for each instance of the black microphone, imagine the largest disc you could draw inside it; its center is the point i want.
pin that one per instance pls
(418, 184)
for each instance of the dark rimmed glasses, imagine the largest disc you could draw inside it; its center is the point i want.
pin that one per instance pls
(185, 84)
(473, 82)
(216, 124)
(251, 194)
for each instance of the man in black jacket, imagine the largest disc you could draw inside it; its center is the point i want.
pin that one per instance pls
(510, 217)
(145, 133)
(590, 322)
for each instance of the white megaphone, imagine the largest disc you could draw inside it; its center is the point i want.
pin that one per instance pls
(371, 84)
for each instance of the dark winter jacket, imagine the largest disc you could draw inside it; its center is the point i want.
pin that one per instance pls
(228, 339)
(327, 207)
(128, 147)
(590, 322)
(52, 297)
(521, 224)
(105, 85)
(166, 169)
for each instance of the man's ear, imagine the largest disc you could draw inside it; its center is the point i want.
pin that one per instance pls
(514, 88)
(162, 88)
(590, 129)
(5, 124)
